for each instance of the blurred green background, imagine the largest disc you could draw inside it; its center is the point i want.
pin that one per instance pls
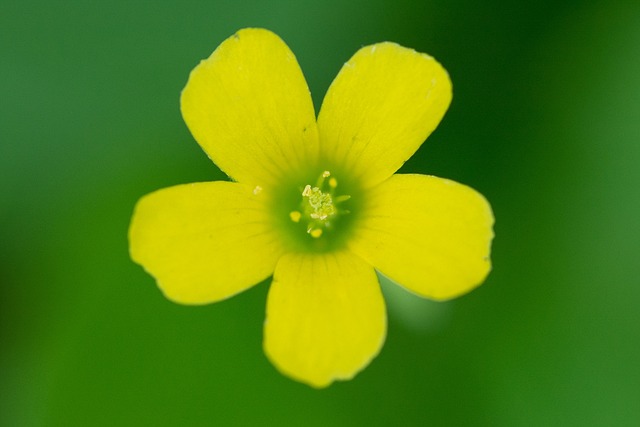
(545, 122)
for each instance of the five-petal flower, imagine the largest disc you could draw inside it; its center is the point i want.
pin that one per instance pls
(315, 204)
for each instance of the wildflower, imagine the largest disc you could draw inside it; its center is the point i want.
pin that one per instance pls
(315, 204)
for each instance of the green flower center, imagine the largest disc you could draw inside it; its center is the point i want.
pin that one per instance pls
(316, 212)
(320, 205)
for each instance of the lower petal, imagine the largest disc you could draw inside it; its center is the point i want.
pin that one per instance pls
(428, 234)
(204, 242)
(326, 317)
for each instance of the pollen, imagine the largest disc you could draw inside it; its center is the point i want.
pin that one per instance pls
(295, 216)
(319, 205)
(316, 232)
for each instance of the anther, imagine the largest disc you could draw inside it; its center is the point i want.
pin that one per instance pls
(295, 216)
(319, 205)
(316, 232)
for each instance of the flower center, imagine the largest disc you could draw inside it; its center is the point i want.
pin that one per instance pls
(320, 205)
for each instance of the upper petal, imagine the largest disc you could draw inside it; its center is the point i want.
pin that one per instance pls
(204, 242)
(430, 235)
(249, 108)
(380, 108)
(326, 318)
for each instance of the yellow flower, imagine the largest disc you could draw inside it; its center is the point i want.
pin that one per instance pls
(315, 204)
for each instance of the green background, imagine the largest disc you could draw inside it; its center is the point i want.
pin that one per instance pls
(545, 122)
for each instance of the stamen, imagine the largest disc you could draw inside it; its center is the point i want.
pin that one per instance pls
(319, 205)
(316, 232)
(321, 217)
(295, 216)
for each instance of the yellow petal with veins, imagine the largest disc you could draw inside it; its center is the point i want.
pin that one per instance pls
(249, 108)
(204, 242)
(428, 234)
(326, 317)
(383, 104)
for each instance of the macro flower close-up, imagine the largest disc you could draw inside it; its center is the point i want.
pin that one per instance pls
(314, 203)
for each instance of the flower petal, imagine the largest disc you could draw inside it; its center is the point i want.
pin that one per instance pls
(249, 108)
(204, 242)
(326, 318)
(428, 234)
(380, 108)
